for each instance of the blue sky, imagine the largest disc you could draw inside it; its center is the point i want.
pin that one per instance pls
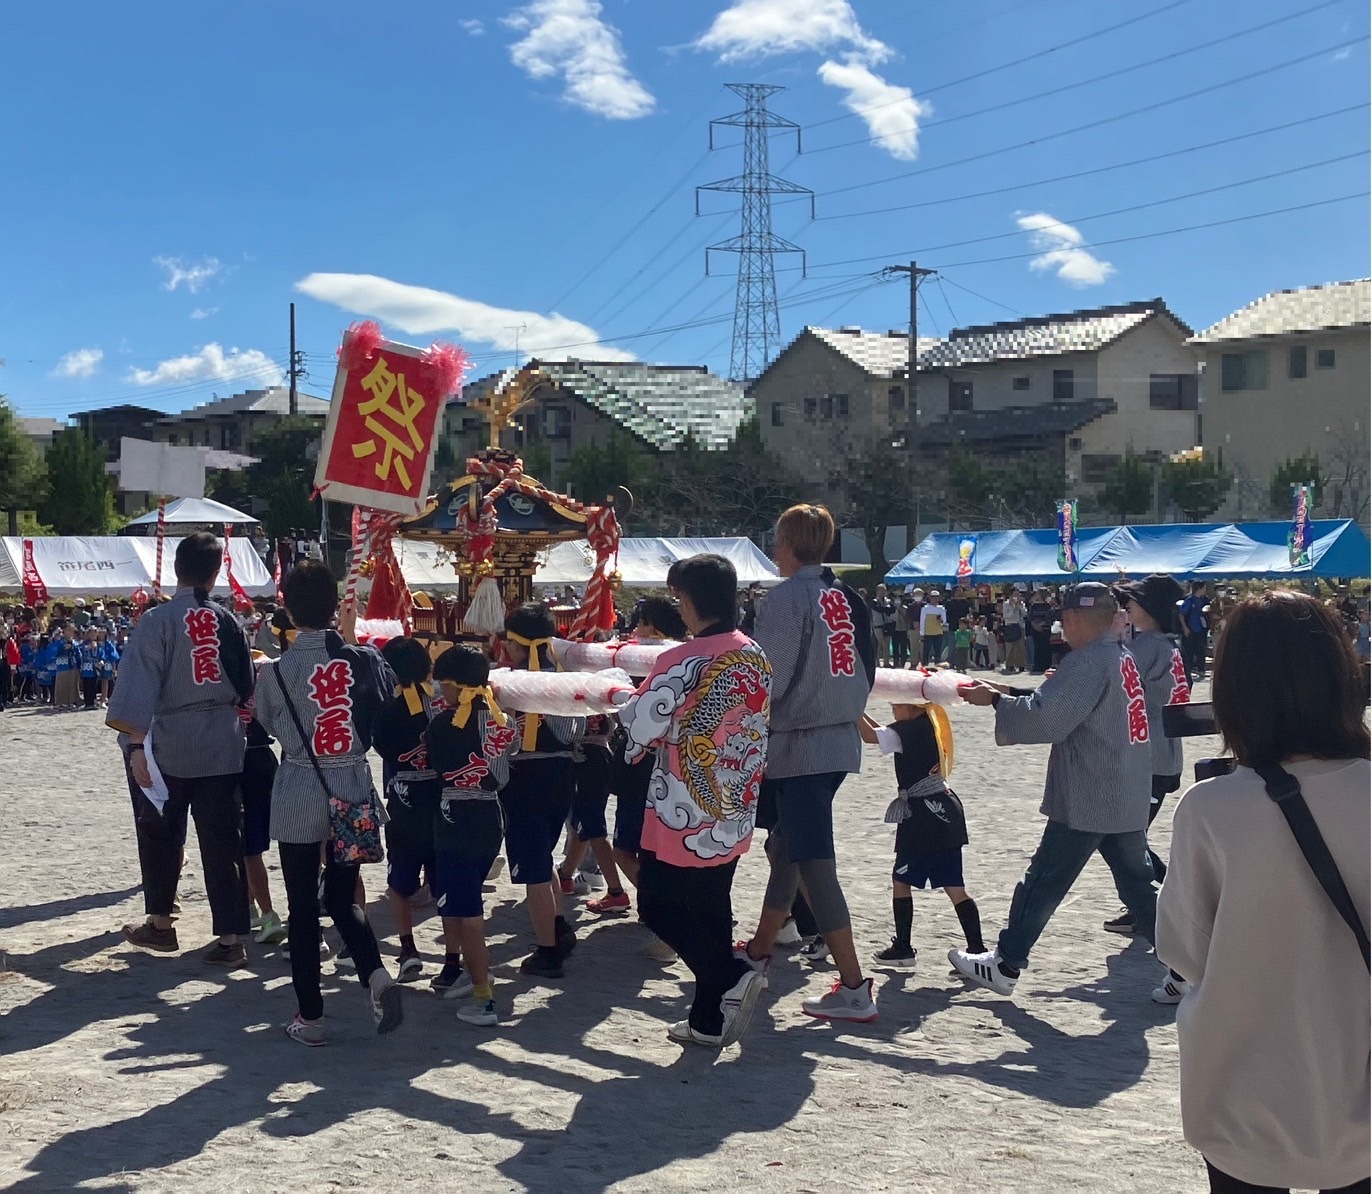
(177, 174)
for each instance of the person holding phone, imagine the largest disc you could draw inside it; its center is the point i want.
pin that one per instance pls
(1273, 1022)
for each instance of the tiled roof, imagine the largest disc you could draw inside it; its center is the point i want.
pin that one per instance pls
(1015, 422)
(1043, 336)
(882, 354)
(276, 401)
(1284, 312)
(661, 404)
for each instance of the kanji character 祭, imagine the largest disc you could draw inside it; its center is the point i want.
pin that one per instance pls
(390, 415)
(203, 628)
(1133, 689)
(838, 619)
(330, 690)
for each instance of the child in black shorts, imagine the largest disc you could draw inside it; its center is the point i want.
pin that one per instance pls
(930, 826)
(412, 791)
(538, 798)
(255, 789)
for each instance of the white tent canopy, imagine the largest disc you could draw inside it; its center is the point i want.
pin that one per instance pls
(195, 510)
(114, 566)
(643, 563)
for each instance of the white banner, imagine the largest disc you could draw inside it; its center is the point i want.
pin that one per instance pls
(116, 565)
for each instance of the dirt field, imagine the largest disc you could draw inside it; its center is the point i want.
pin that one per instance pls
(125, 1071)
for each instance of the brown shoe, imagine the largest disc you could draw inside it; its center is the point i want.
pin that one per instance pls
(149, 936)
(230, 956)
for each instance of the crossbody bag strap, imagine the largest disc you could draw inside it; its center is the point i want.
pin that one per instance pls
(300, 729)
(1285, 789)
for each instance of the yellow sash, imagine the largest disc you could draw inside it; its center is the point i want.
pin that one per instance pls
(531, 720)
(466, 694)
(412, 694)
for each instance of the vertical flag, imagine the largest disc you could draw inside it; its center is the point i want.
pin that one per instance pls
(1298, 537)
(967, 558)
(1067, 536)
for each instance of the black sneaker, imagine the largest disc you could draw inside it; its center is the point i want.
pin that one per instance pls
(896, 956)
(230, 956)
(411, 966)
(566, 939)
(1123, 924)
(543, 963)
(451, 981)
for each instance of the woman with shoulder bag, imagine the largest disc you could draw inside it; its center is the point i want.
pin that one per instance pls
(1265, 910)
(321, 700)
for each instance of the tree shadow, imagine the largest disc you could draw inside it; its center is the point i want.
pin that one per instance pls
(55, 909)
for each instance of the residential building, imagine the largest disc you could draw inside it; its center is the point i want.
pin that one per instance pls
(1289, 376)
(231, 424)
(108, 425)
(575, 404)
(40, 431)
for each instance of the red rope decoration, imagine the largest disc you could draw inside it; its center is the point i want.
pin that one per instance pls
(390, 598)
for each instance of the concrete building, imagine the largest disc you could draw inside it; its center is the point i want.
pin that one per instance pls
(39, 431)
(231, 424)
(1287, 376)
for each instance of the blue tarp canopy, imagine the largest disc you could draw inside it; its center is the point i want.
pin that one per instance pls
(1220, 551)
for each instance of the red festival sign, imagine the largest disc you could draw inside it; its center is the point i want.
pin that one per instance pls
(383, 422)
(35, 591)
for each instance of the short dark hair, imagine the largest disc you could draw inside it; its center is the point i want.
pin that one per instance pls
(311, 595)
(661, 614)
(712, 585)
(199, 557)
(409, 660)
(531, 620)
(1287, 682)
(462, 664)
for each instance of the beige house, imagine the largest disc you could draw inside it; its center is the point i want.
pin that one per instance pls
(1288, 376)
(231, 424)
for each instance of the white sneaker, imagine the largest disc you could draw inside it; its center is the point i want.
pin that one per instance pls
(481, 1014)
(857, 1004)
(659, 950)
(593, 880)
(814, 949)
(684, 1034)
(757, 965)
(983, 969)
(789, 934)
(1173, 989)
(738, 1005)
(387, 1004)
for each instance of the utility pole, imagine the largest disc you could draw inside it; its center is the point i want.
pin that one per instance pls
(295, 370)
(912, 364)
(757, 325)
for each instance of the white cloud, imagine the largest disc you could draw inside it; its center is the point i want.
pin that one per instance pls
(80, 362)
(204, 312)
(474, 27)
(892, 113)
(420, 311)
(751, 29)
(181, 271)
(568, 38)
(1342, 55)
(1060, 251)
(211, 363)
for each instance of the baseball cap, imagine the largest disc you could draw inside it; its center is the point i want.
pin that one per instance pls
(1089, 595)
(80, 601)
(933, 594)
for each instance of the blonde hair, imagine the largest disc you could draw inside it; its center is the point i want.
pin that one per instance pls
(808, 530)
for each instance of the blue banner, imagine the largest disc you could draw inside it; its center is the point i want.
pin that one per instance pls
(1067, 536)
(1298, 538)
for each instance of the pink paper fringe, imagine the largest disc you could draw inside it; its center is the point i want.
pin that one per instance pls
(361, 342)
(449, 363)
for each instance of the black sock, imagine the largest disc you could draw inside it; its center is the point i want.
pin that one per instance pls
(407, 941)
(904, 909)
(550, 952)
(453, 959)
(614, 891)
(1006, 969)
(970, 920)
(561, 926)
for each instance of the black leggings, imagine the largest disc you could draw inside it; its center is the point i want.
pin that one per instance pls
(300, 872)
(90, 689)
(1222, 1183)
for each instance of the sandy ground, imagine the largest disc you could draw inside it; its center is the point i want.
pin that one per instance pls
(127, 1071)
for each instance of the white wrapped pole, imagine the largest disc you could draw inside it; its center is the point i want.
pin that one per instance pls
(562, 694)
(918, 687)
(638, 659)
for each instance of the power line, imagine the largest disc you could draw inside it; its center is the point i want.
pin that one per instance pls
(1156, 105)
(951, 282)
(943, 294)
(1143, 161)
(1065, 87)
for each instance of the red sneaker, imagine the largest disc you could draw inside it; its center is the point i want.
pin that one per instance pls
(609, 903)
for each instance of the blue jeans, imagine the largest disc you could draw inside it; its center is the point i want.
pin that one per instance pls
(933, 648)
(1062, 855)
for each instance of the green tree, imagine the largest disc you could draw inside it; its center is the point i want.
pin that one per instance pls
(80, 498)
(1197, 485)
(595, 471)
(1296, 471)
(1032, 490)
(538, 460)
(881, 494)
(283, 478)
(1128, 492)
(969, 483)
(22, 476)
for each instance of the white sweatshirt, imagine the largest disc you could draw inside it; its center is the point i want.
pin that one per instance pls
(1274, 1031)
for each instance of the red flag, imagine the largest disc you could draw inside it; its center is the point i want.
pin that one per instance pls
(35, 591)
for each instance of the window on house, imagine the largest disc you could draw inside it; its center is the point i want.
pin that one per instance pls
(1063, 385)
(826, 407)
(840, 406)
(776, 415)
(1243, 371)
(959, 396)
(1019, 383)
(1297, 362)
(1324, 358)
(1097, 468)
(558, 423)
(896, 397)
(811, 406)
(1172, 391)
